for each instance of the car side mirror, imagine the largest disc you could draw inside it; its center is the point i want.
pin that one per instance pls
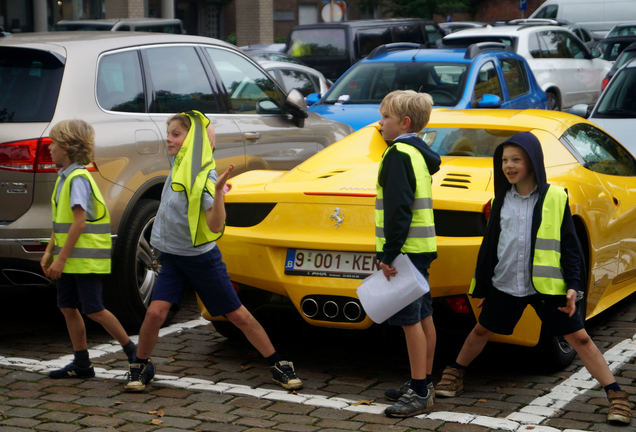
(581, 110)
(297, 107)
(312, 98)
(489, 101)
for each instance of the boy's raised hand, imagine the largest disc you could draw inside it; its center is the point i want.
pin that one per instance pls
(570, 303)
(221, 182)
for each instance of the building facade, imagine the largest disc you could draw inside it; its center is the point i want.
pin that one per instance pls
(239, 21)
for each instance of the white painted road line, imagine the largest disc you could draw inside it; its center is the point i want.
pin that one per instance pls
(528, 419)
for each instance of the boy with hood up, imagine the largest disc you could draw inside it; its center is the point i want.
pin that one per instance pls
(530, 255)
(405, 224)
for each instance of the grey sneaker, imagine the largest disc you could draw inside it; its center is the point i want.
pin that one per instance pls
(139, 375)
(394, 394)
(410, 404)
(284, 374)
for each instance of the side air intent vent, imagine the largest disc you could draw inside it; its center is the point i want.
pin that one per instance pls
(246, 214)
(450, 223)
(456, 180)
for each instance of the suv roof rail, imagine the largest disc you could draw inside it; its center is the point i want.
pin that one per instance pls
(473, 49)
(395, 46)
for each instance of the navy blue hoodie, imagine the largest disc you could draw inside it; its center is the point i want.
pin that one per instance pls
(487, 257)
(397, 179)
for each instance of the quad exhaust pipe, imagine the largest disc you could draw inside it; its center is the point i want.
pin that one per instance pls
(332, 308)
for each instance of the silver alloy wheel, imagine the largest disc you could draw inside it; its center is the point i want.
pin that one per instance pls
(146, 264)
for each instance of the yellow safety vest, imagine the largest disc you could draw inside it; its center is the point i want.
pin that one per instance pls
(190, 173)
(421, 236)
(92, 250)
(547, 277)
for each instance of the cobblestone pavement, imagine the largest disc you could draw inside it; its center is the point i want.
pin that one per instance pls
(207, 383)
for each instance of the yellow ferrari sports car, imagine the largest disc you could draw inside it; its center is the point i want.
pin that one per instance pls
(307, 235)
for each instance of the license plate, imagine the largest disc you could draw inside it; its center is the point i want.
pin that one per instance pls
(351, 265)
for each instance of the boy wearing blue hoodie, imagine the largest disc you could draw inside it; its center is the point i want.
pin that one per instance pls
(530, 255)
(405, 224)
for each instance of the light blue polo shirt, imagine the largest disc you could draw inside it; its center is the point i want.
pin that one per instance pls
(81, 190)
(170, 231)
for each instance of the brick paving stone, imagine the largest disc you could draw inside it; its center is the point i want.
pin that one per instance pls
(250, 402)
(215, 416)
(211, 406)
(219, 427)
(59, 406)
(382, 428)
(60, 416)
(375, 418)
(425, 423)
(290, 408)
(455, 427)
(340, 424)
(14, 429)
(563, 423)
(327, 413)
(57, 427)
(96, 410)
(179, 423)
(100, 421)
(254, 422)
(23, 412)
(20, 422)
(136, 427)
(291, 427)
(24, 402)
(251, 412)
(294, 418)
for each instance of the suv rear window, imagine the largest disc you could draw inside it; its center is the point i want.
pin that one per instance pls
(317, 42)
(30, 81)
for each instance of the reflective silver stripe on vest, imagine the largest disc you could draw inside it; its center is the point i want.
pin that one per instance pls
(548, 244)
(85, 253)
(197, 151)
(414, 232)
(418, 204)
(546, 272)
(62, 228)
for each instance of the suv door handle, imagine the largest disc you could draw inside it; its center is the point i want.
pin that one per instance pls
(252, 135)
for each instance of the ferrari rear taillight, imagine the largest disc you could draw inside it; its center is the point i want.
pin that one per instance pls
(458, 304)
(30, 155)
(604, 83)
(486, 210)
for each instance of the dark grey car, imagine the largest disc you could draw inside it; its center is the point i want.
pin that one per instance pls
(127, 85)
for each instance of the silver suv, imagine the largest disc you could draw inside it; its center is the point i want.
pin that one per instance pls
(127, 85)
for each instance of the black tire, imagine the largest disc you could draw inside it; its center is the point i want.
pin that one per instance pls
(135, 267)
(554, 102)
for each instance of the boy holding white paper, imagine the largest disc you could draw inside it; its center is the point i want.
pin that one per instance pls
(405, 224)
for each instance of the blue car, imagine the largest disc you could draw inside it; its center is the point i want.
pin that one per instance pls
(483, 75)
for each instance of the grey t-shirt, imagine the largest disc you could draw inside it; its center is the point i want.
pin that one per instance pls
(170, 231)
(81, 190)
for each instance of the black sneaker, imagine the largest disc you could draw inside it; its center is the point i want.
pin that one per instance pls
(139, 375)
(394, 394)
(72, 371)
(283, 373)
(410, 404)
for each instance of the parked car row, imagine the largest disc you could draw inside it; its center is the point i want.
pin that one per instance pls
(127, 85)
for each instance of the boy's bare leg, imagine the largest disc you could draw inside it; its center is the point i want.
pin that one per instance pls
(473, 345)
(591, 357)
(111, 324)
(416, 346)
(252, 329)
(155, 317)
(76, 328)
(431, 339)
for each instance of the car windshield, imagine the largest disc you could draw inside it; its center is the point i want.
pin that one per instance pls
(368, 83)
(619, 100)
(611, 49)
(465, 141)
(469, 40)
(317, 42)
(31, 81)
(623, 30)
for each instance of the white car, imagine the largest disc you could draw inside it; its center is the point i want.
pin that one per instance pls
(615, 111)
(562, 65)
(295, 76)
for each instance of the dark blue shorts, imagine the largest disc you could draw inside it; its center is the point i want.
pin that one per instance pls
(501, 313)
(420, 308)
(80, 291)
(206, 274)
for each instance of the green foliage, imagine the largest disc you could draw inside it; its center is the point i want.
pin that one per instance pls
(231, 38)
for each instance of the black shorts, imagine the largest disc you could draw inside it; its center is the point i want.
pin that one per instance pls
(418, 309)
(80, 291)
(501, 313)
